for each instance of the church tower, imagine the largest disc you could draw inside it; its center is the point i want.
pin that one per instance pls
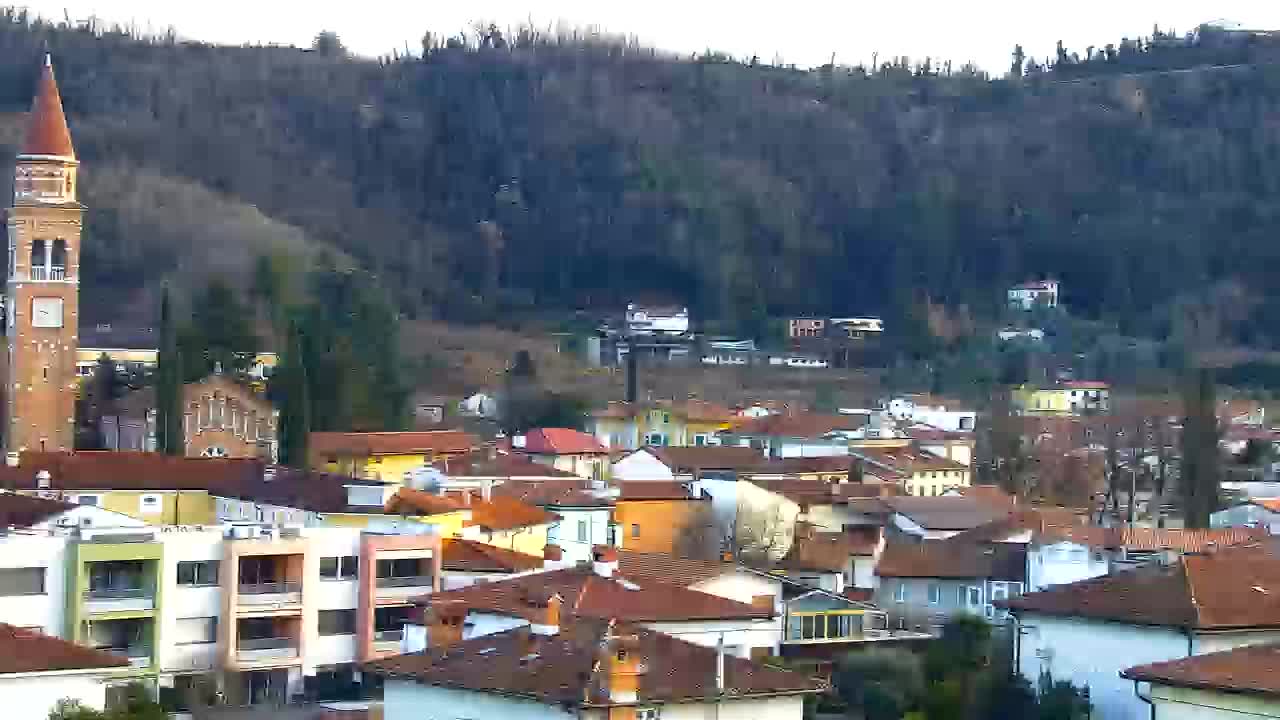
(43, 289)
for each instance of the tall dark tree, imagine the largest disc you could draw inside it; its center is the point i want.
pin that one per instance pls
(220, 335)
(290, 390)
(169, 382)
(1200, 478)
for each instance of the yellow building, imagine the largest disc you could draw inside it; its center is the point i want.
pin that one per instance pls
(628, 426)
(918, 472)
(384, 455)
(499, 521)
(147, 358)
(1068, 398)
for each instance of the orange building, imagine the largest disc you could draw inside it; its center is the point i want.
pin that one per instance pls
(42, 296)
(664, 517)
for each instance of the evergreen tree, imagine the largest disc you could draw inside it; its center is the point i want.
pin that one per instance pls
(1200, 478)
(169, 417)
(290, 390)
(220, 334)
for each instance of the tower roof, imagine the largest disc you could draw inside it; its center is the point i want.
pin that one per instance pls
(47, 132)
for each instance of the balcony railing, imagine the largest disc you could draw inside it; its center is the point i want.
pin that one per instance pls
(138, 657)
(388, 636)
(56, 272)
(274, 588)
(118, 599)
(117, 593)
(405, 581)
(255, 649)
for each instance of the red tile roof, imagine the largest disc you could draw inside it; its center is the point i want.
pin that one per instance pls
(640, 490)
(803, 425)
(561, 441)
(505, 513)
(829, 551)
(1250, 669)
(670, 569)
(905, 461)
(47, 132)
(27, 651)
(460, 555)
(365, 444)
(942, 513)
(1052, 525)
(478, 464)
(932, 559)
(566, 670)
(1232, 588)
(588, 595)
(23, 511)
(820, 492)
(577, 492)
(426, 503)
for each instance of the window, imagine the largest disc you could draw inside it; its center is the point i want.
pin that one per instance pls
(91, 500)
(900, 592)
(582, 531)
(202, 573)
(648, 713)
(345, 567)
(635, 530)
(150, 504)
(666, 418)
(22, 581)
(700, 439)
(337, 622)
(935, 593)
(196, 631)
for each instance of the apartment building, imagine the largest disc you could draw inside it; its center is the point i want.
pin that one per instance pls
(258, 612)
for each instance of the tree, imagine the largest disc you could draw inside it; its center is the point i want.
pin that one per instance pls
(290, 390)
(880, 684)
(220, 334)
(136, 704)
(761, 535)
(1200, 478)
(169, 416)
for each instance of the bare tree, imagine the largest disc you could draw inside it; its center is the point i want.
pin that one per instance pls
(762, 534)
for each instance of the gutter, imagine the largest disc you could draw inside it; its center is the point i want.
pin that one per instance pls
(1145, 699)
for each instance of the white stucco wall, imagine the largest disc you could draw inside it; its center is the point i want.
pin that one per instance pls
(34, 696)
(740, 636)
(332, 650)
(762, 512)
(742, 586)
(790, 707)
(403, 700)
(565, 532)
(1061, 563)
(640, 465)
(187, 601)
(328, 595)
(38, 611)
(1187, 704)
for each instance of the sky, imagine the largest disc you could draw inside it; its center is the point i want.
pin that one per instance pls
(803, 32)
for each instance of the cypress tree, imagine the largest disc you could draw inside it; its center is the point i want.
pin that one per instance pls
(169, 438)
(294, 400)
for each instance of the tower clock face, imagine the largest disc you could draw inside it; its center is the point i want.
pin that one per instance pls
(46, 312)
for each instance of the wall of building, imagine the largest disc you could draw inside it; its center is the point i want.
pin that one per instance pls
(1172, 703)
(332, 594)
(44, 611)
(641, 466)
(681, 527)
(33, 696)
(374, 547)
(935, 482)
(406, 700)
(743, 587)
(739, 636)
(789, 707)
(185, 601)
(764, 517)
(578, 530)
(1061, 563)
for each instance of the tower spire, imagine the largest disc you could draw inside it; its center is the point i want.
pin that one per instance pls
(47, 132)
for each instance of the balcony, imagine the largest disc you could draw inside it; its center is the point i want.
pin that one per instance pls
(138, 656)
(105, 600)
(270, 594)
(387, 640)
(54, 272)
(404, 586)
(264, 649)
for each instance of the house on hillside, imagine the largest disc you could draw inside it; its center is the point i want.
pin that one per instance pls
(795, 435)
(684, 464)
(1088, 632)
(662, 423)
(1034, 294)
(669, 321)
(585, 512)
(1073, 397)
(919, 472)
(384, 455)
(923, 584)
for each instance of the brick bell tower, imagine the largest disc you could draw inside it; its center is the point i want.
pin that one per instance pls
(42, 295)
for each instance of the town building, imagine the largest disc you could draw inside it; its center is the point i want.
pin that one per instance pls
(937, 412)
(1034, 294)
(1088, 632)
(384, 455)
(628, 426)
(587, 669)
(660, 517)
(668, 464)
(923, 584)
(564, 449)
(135, 351)
(37, 671)
(1244, 682)
(585, 512)
(657, 320)
(467, 562)
(806, 327)
(795, 435)
(42, 296)
(1067, 398)
(1256, 513)
(920, 473)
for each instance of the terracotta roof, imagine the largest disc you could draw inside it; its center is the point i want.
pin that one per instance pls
(23, 511)
(566, 669)
(905, 460)
(707, 457)
(835, 464)
(989, 493)
(460, 555)
(478, 464)
(1249, 669)
(361, 444)
(27, 651)
(1052, 525)
(1272, 504)
(1030, 522)
(933, 559)
(505, 513)
(805, 425)
(554, 493)
(654, 490)
(820, 492)
(829, 551)
(47, 132)
(670, 569)
(586, 594)
(1232, 588)
(561, 441)
(942, 513)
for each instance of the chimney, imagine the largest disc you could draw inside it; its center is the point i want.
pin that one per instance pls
(552, 556)
(486, 490)
(445, 623)
(11, 459)
(625, 669)
(542, 610)
(726, 556)
(720, 665)
(44, 480)
(604, 560)
(518, 441)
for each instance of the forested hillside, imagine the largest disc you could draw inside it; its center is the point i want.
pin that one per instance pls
(498, 172)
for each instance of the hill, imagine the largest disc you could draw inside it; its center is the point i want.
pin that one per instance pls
(496, 174)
